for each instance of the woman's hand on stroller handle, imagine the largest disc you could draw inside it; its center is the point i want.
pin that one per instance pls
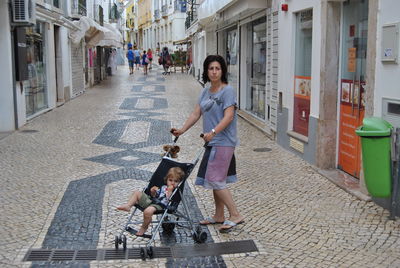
(203, 136)
(176, 133)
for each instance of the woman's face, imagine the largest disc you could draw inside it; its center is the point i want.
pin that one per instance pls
(214, 71)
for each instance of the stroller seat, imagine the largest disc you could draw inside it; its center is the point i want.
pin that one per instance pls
(177, 197)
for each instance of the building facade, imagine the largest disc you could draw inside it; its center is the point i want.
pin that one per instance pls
(51, 56)
(306, 72)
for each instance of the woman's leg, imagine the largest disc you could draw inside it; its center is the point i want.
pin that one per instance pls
(226, 198)
(219, 215)
(147, 217)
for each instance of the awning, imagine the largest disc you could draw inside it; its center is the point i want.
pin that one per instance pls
(111, 38)
(95, 34)
(182, 42)
(207, 10)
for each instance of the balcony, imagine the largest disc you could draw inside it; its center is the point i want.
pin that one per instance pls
(98, 14)
(78, 9)
(179, 6)
(191, 16)
(164, 11)
(157, 16)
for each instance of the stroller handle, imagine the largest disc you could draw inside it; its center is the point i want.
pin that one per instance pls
(176, 138)
(201, 136)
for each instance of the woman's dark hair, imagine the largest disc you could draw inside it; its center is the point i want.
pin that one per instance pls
(221, 61)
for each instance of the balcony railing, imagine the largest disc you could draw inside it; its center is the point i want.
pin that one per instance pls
(191, 16)
(78, 8)
(180, 6)
(157, 16)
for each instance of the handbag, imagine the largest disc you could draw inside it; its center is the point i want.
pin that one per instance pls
(146, 60)
(160, 60)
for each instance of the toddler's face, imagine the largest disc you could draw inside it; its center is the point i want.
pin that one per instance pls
(171, 181)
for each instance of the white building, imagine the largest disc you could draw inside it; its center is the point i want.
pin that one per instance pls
(46, 61)
(307, 71)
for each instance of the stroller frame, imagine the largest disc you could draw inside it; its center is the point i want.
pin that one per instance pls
(183, 220)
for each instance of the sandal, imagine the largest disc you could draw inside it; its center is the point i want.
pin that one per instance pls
(209, 220)
(231, 225)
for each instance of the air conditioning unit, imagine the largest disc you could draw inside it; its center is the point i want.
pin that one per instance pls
(24, 12)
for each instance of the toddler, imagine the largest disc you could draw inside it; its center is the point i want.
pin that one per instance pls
(163, 194)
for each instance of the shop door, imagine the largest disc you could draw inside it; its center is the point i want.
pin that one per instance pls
(352, 84)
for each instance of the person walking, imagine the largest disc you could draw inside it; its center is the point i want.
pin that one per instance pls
(166, 60)
(145, 61)
(217, 105)
(150, 56)
(136, 53)
(131, 58)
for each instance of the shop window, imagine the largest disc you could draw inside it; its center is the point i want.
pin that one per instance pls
(302, 78)
(255, 95)
(231, 56)
(36, 86)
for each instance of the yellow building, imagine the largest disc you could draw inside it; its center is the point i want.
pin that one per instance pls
(130, 24)
(144, 19)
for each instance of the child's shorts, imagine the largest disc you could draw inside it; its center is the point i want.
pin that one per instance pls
(145, 201)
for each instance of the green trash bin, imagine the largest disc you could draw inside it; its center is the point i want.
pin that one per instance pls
(375, 136)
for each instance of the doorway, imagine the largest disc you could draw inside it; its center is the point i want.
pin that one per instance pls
(352, 83)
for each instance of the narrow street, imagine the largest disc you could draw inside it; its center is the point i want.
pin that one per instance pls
(64, 172)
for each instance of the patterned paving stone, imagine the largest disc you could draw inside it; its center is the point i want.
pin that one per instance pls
(61, 184)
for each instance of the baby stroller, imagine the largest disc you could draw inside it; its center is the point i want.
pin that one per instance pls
(170, 216)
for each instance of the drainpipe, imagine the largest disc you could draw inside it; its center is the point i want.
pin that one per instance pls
(13, 70)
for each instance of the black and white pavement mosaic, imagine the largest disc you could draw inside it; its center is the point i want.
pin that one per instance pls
(77, 221)
(63, 173)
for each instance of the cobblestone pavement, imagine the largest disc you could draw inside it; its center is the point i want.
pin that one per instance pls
(60, 185)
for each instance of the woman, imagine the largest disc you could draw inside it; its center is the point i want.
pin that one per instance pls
(217, 105)
(150, 56)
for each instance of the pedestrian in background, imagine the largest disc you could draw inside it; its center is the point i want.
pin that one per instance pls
(217, 104)
(136, 53)
(145, 61)
(166, 60)
(150, 55)
(131, 58)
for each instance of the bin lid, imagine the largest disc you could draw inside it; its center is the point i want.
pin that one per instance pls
(374, 127)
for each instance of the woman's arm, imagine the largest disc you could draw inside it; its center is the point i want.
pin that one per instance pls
(229, 114)
(192, 119)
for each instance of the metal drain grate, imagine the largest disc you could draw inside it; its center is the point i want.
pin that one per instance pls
(63, 255)
(214, 249)
(29, 131)
(38, 255)
(186, 251)
(86, 255)
(261, 150)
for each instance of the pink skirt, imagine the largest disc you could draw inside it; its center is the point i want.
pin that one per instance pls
(217, 168)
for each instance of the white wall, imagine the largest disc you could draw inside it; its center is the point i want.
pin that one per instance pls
(6, 88)
(387, 79)
(51, 69)
(66, 58)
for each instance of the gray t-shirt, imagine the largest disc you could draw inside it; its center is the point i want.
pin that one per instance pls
(212, 107)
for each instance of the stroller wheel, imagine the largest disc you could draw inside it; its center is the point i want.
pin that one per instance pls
(124, 241)
(150, 252)
(202, 237)
(116, 242)
(143, 253)
(195, 237)
(168, 227)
